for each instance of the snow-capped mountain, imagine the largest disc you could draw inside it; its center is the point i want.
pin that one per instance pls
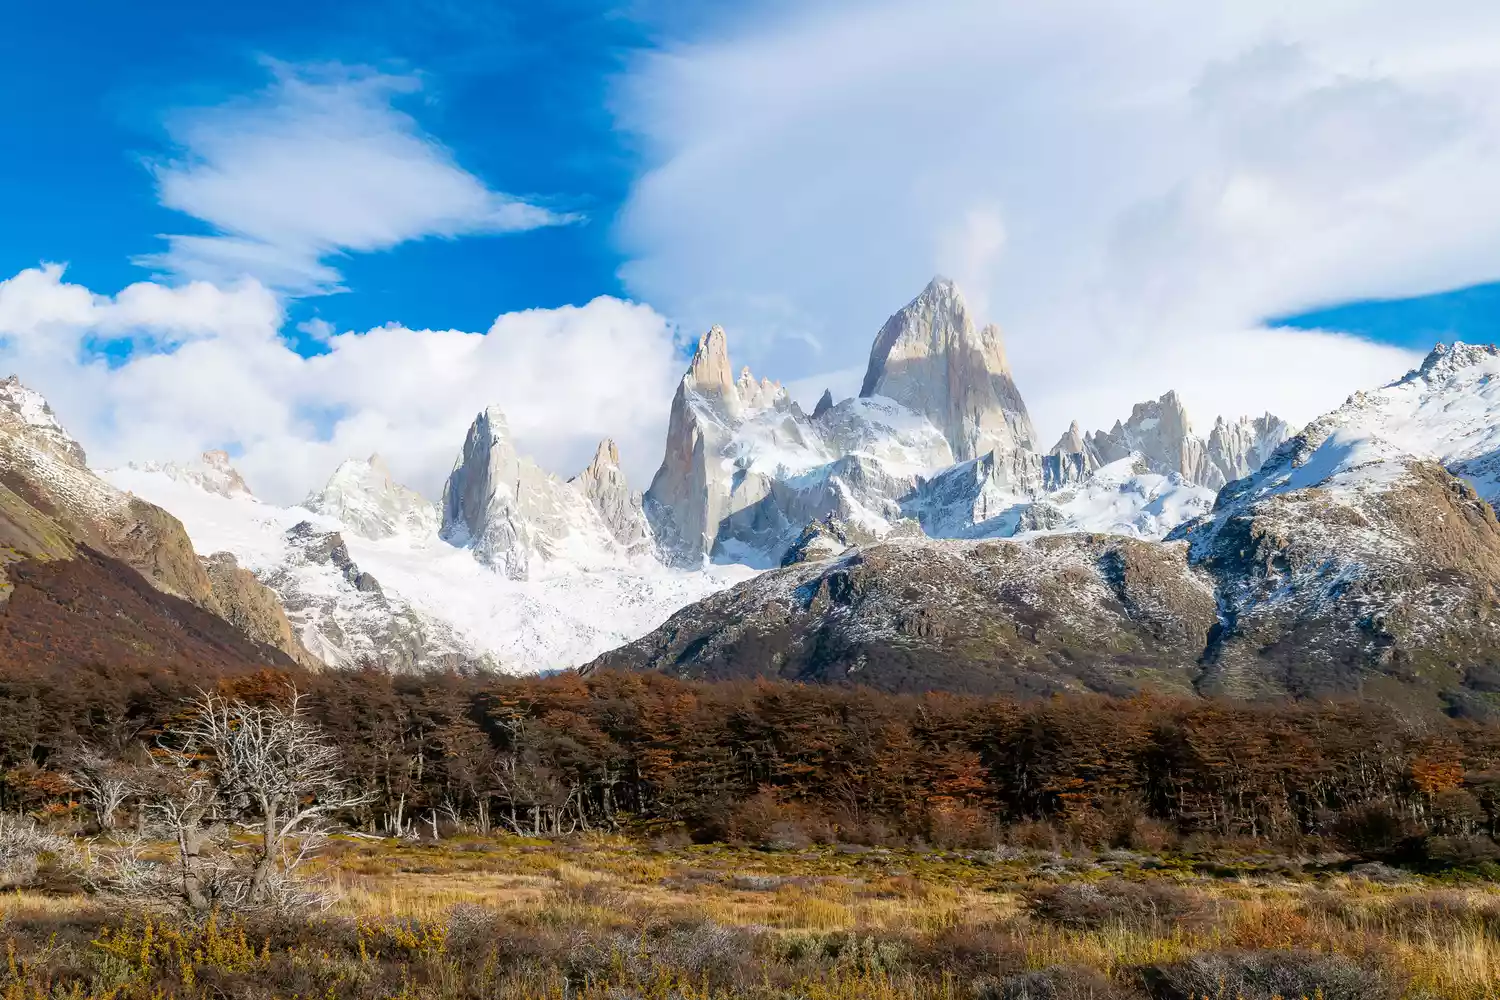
(1361, 557)
(518, 568)
(518, 518)
(746, 470)
(366, 578)
(211, 471)
(1366, 540)
(52, 507)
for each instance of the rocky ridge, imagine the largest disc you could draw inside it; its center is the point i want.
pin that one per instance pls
(1362, 557)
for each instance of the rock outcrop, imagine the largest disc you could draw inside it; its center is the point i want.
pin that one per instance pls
(344, 618)
(212, 472)
(930, 358)
(254, 608)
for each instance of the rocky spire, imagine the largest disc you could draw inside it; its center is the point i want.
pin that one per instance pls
(514, 515)
(930, 358)
(1237, 448)
(480, 497)
(604, 484)
(1161, 433)
(695, 488)
(708, 374)
(1070, 442)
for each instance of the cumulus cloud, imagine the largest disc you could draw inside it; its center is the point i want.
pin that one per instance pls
(209, 368)
(1129, 190)
(318, 164)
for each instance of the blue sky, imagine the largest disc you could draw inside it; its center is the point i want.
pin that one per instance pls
(1261, 204)
(516, 91)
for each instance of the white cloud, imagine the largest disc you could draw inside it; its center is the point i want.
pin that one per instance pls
(211, 370)
(1129, 190)
(319, 164)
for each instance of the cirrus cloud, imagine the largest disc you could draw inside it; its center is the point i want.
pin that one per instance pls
(320, 163)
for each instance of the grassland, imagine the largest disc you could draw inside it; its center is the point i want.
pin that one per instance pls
(611, 918)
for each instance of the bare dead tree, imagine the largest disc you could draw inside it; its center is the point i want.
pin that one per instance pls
(275, 766)
(236, 764)
(106, 783)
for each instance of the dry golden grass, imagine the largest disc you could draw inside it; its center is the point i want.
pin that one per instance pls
(820, 923)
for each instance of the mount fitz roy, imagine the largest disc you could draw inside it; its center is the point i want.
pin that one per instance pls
(516, 568)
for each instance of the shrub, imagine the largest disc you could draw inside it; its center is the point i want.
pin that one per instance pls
(1462, 851)
(1264, 975)
(765, 821)
(1089, 905)
(1061, 982)
(1371, 829)
(25, 849)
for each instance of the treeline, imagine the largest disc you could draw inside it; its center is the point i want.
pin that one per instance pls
(773, 761)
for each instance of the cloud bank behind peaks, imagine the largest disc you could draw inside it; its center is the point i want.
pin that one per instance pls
(1127, 189)
(318, 164)
(208, 368)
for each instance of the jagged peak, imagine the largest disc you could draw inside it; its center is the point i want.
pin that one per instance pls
(709, 369)
(1071, 442)
(942, 285)
(606, 456)
(825, 403)
(495, 417)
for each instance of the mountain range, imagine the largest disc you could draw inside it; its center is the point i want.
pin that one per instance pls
(917, 535)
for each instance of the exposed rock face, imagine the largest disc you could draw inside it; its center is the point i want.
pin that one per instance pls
(605, 486)
(1237, 449)
(930, 358)
(254, 608)
(344, 618)
(25, 415)
(818, 541)
(364, 497)
(825, 403)
(853, 490)
(516, 517)
(1069, 612)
